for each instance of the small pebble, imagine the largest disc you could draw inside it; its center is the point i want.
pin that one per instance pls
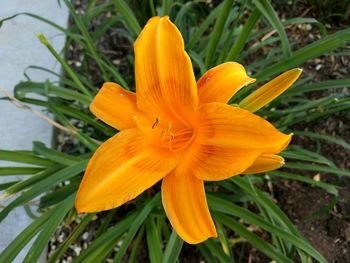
(85, 236)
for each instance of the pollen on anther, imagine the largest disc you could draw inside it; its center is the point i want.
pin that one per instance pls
(134, 117)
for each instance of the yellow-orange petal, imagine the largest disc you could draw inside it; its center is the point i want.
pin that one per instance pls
(115, 106)
(265, 163)
(185, 204)
(215, 163)
(121, 169)
(229, 141)
(220, 83)
(270, 90)
(165, 82)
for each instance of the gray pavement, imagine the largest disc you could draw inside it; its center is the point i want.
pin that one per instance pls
(19, 48)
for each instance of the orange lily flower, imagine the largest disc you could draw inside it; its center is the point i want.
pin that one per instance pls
(179, 131)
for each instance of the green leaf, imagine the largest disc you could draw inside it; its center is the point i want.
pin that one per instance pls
(53, 155)
(33, 179)
(71, 238)
(243, 36)
(48, 89)
(48, 230)
(328, 187)
(311, 51)
(173, 248)
(317, 168)
(89, 44)
(166, 7)
(19, 170)
(217, 31)
(65, 66)
(270, 14)
(15, 247)
(328, 138)
(153, 241)
(195, 37)
(44, 185)
(223, 206)
(128, 15)
(136, 246)
(24, 157)
(135, 226)
(107, 241)
(256, 241)
(216, 251)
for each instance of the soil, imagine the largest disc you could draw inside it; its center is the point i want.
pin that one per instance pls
(327, 231)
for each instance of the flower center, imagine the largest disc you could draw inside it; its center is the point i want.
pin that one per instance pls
(173, 137)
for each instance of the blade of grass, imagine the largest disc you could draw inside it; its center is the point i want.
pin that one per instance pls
(311, 51)
(135, 226)
(43, 185)
(21, 185)
(153, 241)
(128, 15)
(136, 246)
(328, 138)
(223, 206)
(15, 247)
(203, 27)
(89, 44)
(19, 170)
(20, 157)
(109, 238)
(317, 168)
(243, 36)
(71, 238)
(330, 188)
(216, 251)
(53, 155)
(256, 241)
(217, 31)
(166, 4)
(65, 66)
(48, 230)
(173, 248)
(270, 14)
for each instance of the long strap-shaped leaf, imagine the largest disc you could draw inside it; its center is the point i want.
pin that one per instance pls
(255, 240)
(227, 207)
(128, 15)
(48, 230)
(135, 226)
(44, 185)
(217, 31)
(311, 51)
(27, 234)
(173, 248)
(270, 14)
(243, 36)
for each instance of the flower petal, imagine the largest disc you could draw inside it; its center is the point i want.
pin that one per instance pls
(229, 141)
(265, 163)
(228, 126)
(121, 169)
(215, 163)
(185, 204)
(115, 106)
(270, 90)
(220, 83)
(165, 81)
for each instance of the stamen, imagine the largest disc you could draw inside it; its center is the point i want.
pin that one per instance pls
(155, 124)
